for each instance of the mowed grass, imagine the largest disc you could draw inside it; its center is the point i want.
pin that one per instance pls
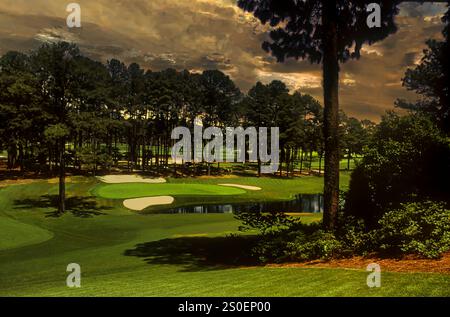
(122, 253)
(135, 190)
(272, 189)
(15, 234)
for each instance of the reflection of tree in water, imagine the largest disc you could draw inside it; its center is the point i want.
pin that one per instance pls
(302, 203)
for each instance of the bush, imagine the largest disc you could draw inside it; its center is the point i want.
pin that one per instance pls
(319, 245)
(421, 228)
(407, 158)
(353, 235)
(304, 243)
(270, 248)
(266, 222)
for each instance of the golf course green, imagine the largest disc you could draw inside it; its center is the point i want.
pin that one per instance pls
(125, 253)
(135, 190)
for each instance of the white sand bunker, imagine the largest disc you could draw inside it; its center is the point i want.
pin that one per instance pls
(242, 186)
(118, 179)
(139, 204)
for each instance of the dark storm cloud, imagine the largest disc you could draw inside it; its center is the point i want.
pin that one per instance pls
(215, 34)
(417, 10)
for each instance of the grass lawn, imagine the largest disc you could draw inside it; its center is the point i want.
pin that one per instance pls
(134, 190)
(123, 253)
(186, 193)
(16, 234)
(272, 189)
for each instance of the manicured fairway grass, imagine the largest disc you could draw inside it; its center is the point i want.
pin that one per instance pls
(14, 234)
(122, 253)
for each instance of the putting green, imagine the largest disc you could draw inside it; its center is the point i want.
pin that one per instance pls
(136, 190)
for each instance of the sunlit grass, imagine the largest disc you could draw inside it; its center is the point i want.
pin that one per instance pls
(122, 253)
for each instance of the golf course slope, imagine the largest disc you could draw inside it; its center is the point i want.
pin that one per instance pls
(15, 234)
(126, 253)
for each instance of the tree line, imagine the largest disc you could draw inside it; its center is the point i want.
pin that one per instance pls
(61, 109)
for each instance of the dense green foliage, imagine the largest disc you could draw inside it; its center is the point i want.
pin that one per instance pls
(55, 100)
(408, 159)
(421, 228)
(431, 79)
(303, 244)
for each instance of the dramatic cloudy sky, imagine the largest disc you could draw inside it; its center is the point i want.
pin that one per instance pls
(215, 34)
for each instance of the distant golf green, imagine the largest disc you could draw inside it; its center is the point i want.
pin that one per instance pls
(135, 190)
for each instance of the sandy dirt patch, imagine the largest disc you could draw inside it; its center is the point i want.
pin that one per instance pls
(118, 179)
(139, 204)
(406, 264)
(55, 180)
(9, 182)
(241, 186)
(217, 177)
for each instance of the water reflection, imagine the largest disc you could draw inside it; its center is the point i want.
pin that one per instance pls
(302, 203)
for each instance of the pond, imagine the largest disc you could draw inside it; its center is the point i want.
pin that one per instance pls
(302, 203)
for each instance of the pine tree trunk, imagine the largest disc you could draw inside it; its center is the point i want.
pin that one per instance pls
(288, 155)
(281, 161)
(143, 155)
(12, 155)
(349, 156)
(62, 179)
(320, 164)
(331, 114)
(21, 158)
(259, 167)
(301, 161)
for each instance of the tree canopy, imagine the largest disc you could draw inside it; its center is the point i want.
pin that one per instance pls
(298, 30)
(431, 80)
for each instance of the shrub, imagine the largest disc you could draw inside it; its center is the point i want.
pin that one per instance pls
(305, 243)
(422, 228)
(319, 245)
(270, 248)
(407, 158)
(266, 222)
(353, 235)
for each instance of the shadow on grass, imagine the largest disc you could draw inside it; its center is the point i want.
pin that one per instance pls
(83, 207)
(198, 253)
